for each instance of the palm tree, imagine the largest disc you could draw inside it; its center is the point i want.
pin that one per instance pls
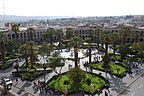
(25, 51)
(46, 49)
(69, 33)
(98, 34)
(49, 35)
(114, 40)
(105, 39)
(56, 61)
(124, 33)
(30, 32)
(31, 47)
(76, 43)
(15, 28)
(89, 45)
(60, 37)
(3, 45)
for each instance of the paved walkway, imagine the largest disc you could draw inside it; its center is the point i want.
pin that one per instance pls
(24, 88)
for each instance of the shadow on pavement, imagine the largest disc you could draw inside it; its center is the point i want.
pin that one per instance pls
(27, 84)
(116, 84)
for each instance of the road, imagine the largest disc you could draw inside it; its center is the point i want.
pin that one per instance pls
(136, 88)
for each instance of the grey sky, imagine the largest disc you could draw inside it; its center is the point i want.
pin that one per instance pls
(72, 7)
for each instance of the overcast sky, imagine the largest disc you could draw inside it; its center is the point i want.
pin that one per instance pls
(72, 7)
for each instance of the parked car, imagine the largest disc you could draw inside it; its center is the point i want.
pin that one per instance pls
(8, 81)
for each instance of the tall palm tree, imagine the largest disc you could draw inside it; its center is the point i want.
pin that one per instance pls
(98, 34)
(25, 51)
(60, 37)
(31, 33)
(89, 45)
(15, 28)
(3, 45)
(49, 35)
(105, 39)
(76, 43)
(69, 33)
(56, 61)
(46, 49)
(114, 40)
(89, 41)
(31, 47)
(124, 33)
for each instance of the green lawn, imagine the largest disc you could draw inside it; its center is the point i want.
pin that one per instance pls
(30, 75)
(58, 83)
(29, 65)
(114, 68)
(6, 65)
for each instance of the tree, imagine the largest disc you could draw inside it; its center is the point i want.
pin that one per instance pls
(24, 49)
(31, 47)
(30, 33)
(98, 34)
(124, 33)
(56, 61)
(114, 40)
(105, 39)
(123, 50)
(15, 28)
(106, 61)
(49, 35)
(76, 75)
(69, 33)
(89, 45)
(46, 49)
(76, 43)
(3, 46)
(89, 41)
(60, 38)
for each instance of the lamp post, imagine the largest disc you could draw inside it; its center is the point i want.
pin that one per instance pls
(92, 89)
(44, 67)
(66, 89)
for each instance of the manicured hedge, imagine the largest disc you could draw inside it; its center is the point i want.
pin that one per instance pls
(58, 82)
(29, 75)
(112, 70)
(6, 65)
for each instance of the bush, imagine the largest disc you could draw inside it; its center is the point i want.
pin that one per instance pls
(88, 81)
(66, 82)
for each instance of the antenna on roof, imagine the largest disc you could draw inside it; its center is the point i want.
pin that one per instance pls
(4, 12)
(3, 9)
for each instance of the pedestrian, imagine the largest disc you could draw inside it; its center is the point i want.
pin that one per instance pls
(39, 86)
(16, 80)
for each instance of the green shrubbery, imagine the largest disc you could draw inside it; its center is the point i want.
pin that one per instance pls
(6, 65)
(58, 83)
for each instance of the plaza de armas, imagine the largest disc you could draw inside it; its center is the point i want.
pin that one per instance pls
(125, 43)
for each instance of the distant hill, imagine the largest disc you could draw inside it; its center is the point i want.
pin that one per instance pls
(14, 18)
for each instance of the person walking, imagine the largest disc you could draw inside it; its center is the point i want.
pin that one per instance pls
(16, 80)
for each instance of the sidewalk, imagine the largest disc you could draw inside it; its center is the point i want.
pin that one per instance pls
(24, 88)
(9, 93)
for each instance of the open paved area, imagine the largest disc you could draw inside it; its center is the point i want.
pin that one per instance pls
(25, 88)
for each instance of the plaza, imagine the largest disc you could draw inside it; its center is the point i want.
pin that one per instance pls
(76, 65)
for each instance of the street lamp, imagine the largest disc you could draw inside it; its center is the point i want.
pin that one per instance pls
(66, 89)
(44, 67)
(92, 89)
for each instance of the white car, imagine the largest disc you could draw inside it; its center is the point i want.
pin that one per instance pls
(8, 82)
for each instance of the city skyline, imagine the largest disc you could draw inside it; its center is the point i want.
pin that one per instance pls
(71, 7)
